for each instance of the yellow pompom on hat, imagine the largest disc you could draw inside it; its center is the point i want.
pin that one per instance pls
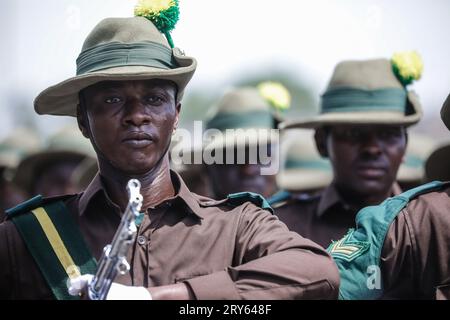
(369, 92)
(275, 94)
(407, 66)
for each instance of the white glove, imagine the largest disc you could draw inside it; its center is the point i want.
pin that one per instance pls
(116, 292)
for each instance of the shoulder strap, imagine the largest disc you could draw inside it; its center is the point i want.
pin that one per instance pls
(280, 196)
(240, 198)
(357, 254)
(55, 242)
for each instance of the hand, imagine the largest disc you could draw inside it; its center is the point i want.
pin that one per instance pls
(116, 292)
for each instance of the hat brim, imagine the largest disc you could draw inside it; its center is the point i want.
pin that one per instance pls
(445, 112)
(230, 141)
(27, 170)
(62, 98)
(195, 154)
(303, 180)
(364, 117)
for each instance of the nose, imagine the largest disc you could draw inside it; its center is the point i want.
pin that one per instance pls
(136, 114)
(371, 145)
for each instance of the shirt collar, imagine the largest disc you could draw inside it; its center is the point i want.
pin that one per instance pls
(182, 195)
(330, 197)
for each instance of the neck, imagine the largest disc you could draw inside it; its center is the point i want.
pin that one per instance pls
(357, 201)
(156, 184)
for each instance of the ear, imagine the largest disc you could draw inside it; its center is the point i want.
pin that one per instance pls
(177, 118)
(320, 137)
(406, 146)
(406, 138)
(82, 122)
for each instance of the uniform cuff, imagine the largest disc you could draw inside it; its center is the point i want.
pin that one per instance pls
(215, 286)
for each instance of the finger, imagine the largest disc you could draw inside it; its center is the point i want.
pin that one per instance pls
(78, 284)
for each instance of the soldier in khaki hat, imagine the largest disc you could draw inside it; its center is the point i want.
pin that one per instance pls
(126, 97)
(48, 172)
(16, 146)
(361, 129)
(304, 172)
(436, 165)
(399, 249)
(246, 123)
(412, 170)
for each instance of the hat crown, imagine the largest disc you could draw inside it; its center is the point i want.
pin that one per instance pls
(21, 143)
(445, 112)
(298, 148)
(242, 100)
(242, 108)
(69, 139)
(124, 30)
(364, 74)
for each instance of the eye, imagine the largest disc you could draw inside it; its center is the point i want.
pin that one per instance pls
(390, 133)
(349, 134)
(155, 100)
(113, 100)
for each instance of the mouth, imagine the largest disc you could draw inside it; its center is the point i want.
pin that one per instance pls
(138, 139)
(371, 172)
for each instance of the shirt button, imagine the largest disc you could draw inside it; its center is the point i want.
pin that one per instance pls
(141, 240)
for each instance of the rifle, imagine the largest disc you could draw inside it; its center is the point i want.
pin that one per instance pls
(114, 255)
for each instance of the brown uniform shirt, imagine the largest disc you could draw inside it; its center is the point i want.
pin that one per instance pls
(322, 217)
(415, 261)
(221, 251)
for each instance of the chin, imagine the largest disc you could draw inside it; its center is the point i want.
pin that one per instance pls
(372, 187)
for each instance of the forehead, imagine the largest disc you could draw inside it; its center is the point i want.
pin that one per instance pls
(166, 85)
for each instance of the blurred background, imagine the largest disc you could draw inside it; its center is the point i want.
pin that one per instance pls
(235, 42)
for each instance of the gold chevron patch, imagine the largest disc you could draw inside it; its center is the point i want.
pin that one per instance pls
(348, 249)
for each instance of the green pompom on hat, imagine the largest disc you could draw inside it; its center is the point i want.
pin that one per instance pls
(164, 14)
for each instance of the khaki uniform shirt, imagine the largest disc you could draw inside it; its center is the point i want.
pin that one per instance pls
(322, 217)
(415, 260)
(221, 251)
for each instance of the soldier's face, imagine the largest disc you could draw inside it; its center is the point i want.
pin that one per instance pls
(131, 122)
(365, 159)
(55, 179)
(232, 178)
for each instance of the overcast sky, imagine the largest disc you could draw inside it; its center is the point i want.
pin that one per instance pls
(231, 38)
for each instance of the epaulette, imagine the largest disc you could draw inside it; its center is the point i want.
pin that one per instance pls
(237, 199)
(33, 203)
(283, 197)
(279, 197)
(306, 197)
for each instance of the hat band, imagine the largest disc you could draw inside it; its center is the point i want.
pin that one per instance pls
(254, 119)
(307, 164)
(359, 100)
(117, 54)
